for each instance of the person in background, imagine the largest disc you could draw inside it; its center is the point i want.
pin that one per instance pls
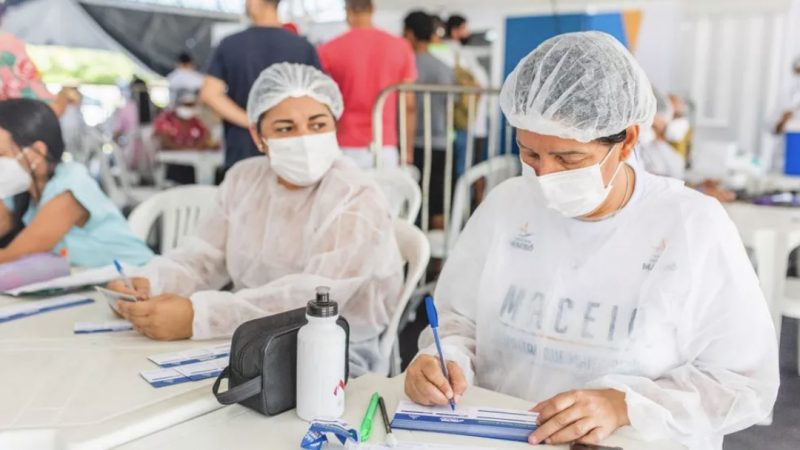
(136, 112)
(606, 296)
(792, 105)
(657, 155)
(363, 62)
(185, 77)
(419, 30)
(19, 77)
(180, 127)
(303, 217)
(73, 125)
(59, 203)
(678, 131)
(468, 73)
(238, 61)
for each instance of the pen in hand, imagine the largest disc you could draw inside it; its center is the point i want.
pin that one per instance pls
(125, 278)
(433, 320)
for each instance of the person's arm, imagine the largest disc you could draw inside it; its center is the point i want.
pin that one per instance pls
(48, 228)
(344, 255)
(199, 262)
(215, 95)
(730, 380)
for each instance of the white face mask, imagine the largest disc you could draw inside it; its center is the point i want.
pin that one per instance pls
(677, 129)
(575, 193)
(14, 179)
(303, 160)
(185, 112)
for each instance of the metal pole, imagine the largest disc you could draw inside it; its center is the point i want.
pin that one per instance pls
(448, 163)
(426, 167)
(403, 135)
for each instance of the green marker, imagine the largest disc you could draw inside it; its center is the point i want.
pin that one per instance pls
(366, 423)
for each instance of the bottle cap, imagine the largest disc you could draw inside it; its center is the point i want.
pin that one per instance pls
(322, 306)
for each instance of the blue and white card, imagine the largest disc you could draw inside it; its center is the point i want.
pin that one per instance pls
(183, 374)
(192, 356)
(33, 307)
(110, 326)
(487, 422)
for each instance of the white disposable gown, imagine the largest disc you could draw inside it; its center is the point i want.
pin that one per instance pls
(658, 301)
(276, 246)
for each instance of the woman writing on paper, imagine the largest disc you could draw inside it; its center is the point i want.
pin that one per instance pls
(299, 218)
(611, 296)
(59, 204)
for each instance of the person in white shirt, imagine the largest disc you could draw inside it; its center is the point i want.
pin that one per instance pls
(185, 77)
(302, 217)
(657, 155)
(610, 296)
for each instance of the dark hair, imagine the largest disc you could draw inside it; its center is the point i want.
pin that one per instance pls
(454, 22)
(272, 2)
(141, 96)
(185, 58)
(420, 24)
(359, 5)
(614, 139)
(29, 121)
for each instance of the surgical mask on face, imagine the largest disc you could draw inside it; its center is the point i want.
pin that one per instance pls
(14, 179)
(677, 129)
(185, 112)
(577, 192)
(303, 160)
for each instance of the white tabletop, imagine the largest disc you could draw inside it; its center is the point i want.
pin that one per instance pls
(62, 390)
(205, 162)
(241, 428)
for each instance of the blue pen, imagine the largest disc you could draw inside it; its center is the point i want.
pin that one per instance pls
(125, 278)
(433, 320)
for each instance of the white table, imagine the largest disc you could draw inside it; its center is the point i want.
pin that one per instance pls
(241, 428)
(61, 390)
(205, 162)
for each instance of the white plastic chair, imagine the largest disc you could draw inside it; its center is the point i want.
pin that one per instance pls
(495, 171)
(402, 192)
(416, 253)
(116, 179)
(180, 209)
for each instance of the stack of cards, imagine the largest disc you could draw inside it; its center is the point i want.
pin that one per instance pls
(102, 327)
(181, 374)
(189, 365)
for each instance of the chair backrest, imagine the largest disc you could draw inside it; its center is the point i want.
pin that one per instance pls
(416, 252)
(495, 171)
(112, 182)
(402, 192)
(180, 209)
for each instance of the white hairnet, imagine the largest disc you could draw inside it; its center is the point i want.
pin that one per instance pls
(580, 86)
(281, 81)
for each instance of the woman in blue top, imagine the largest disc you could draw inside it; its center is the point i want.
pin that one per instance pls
(58, 203)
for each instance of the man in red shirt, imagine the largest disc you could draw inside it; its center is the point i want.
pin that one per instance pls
(363, 62)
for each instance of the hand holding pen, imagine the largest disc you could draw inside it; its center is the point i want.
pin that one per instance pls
(432, 380)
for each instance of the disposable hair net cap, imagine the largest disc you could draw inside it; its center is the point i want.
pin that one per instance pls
(285, 80)
(580, 86)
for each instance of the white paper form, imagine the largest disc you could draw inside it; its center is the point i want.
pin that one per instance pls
(85, 278)
(102, 327)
